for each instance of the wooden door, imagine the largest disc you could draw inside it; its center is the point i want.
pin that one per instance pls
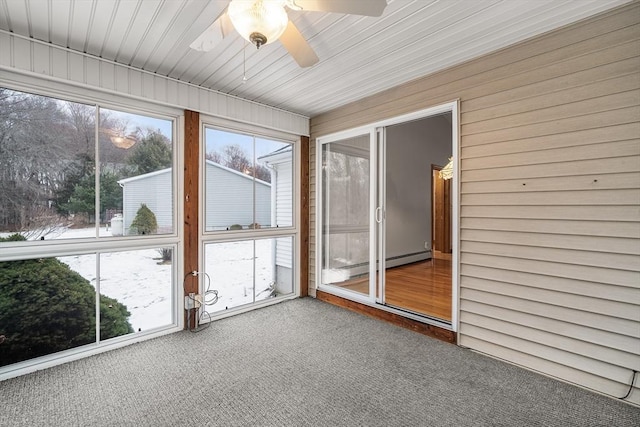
(441, 212)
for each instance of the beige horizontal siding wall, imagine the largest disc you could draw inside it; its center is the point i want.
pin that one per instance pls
(549, 197)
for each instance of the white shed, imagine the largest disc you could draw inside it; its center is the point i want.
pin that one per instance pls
(228, 199)
(152, 189)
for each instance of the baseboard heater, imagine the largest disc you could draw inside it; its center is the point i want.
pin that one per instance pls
(340, 274)
(398, 260)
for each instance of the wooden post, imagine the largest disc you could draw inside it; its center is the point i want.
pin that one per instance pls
(191, 171)
(304, 216)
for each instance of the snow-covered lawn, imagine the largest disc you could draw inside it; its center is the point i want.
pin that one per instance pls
(230, 266)
(137, 279)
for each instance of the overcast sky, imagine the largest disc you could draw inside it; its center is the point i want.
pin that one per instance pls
(216, 139)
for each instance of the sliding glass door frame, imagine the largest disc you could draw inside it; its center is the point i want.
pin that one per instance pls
(381, 214)
(321, 209)
(377, 190)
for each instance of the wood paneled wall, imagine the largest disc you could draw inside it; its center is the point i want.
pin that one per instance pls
(549, 197)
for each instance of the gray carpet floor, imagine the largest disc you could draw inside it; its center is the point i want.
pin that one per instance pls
(300, 363)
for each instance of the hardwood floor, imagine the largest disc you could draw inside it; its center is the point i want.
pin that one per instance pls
(422, 287)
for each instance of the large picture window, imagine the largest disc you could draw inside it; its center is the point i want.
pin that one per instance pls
(67, 166)
(139, 160)
(249, 195)
(248, 182)
(248, 271)
(77, 183)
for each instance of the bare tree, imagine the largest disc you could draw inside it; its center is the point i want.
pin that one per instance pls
(214, 156)
(33, 134)
(261, 172)
(41, 222)
(235, 158)
(82, 119)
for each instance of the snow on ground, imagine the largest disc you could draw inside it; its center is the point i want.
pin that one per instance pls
(230, 266)
(136, 279)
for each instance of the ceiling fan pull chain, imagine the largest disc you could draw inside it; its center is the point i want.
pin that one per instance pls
(244, 63)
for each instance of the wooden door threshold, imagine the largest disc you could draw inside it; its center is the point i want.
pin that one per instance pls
(422, 328)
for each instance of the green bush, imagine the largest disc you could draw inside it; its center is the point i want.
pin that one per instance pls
(145, 222)
(235, 227)
(13, 238)
(46, 307)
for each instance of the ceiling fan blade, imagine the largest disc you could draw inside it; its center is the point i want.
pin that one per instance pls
(354, 7)
(226, 26)
(298, 47)
(213, 35)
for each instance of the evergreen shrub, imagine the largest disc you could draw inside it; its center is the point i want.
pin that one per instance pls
(46, 307)
(144, 222)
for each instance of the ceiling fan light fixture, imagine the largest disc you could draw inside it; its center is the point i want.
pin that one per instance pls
(259, 21)
(257, 39)
(118, 138)
(122, 142)
(447, 171)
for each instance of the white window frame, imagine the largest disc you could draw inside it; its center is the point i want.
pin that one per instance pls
(54, 248)
(206, 237)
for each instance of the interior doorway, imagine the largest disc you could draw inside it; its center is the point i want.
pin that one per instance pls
(417, 227)
(441, 211)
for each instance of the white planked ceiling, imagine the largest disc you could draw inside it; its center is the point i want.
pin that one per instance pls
(359, 56)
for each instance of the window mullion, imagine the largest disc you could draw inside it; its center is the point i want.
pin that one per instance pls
(96, 168)
(97, 298)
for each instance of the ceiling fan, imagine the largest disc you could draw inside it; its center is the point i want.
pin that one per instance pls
(264, 21)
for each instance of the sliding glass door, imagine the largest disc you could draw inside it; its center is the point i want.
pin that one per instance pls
(380, 211)
(347, 248)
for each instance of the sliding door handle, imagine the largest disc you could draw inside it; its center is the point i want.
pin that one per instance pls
(379, 214)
